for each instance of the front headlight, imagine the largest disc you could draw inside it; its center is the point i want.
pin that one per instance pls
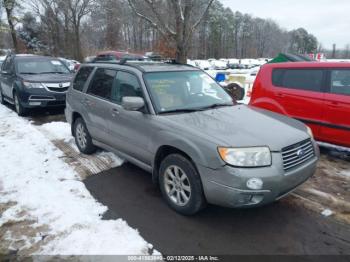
(246, 157)
(32, 85)
(309, 131)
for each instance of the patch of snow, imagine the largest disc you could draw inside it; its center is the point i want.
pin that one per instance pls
(116, 160)
(48, 191)
(58, 130)
(345, 173)
(327, 212)
(62, 131)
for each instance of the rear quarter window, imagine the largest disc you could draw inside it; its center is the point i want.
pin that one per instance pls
(340, 82)
(301, 79)
(82, 77)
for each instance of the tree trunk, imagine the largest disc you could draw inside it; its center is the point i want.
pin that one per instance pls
(181, 54)
(12, 29)
(79, 55)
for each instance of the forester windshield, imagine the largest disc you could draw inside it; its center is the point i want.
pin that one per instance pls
(41, 66)
(185, 91)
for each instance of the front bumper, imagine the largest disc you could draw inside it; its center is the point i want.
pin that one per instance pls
(40, 97)
(227, 186)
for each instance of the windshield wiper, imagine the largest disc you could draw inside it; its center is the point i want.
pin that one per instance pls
(28, 73)
(213, 106)
(184, 110)
(51, 73)
(190, 110)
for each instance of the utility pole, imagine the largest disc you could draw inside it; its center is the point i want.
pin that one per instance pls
(334, 51)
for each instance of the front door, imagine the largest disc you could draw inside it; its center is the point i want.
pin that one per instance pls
(337, 104)
(132, 129)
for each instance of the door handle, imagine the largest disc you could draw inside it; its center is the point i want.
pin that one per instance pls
(86, 102)
(280, 95)
(115, 112)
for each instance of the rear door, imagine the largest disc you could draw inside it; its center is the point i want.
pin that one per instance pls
(97, 103)
(337, 104)
(301, 94)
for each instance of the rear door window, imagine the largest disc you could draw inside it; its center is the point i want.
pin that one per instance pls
(301, 79)
(340, 82)
(82, 77)
(102, 83)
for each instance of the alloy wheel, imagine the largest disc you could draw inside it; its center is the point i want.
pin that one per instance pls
(81, 135)
(177, 185)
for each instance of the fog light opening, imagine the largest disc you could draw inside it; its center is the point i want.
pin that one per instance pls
(255, 184)
(34, 103)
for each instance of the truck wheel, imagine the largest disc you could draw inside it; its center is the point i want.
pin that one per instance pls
(235, 91)
(83, 138)
(181, 185)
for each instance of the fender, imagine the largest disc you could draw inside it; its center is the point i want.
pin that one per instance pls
(182, 143)
(269, 104)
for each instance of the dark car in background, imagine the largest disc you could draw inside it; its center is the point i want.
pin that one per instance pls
(29, 81)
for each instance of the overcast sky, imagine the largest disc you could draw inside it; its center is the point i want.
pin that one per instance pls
(328, 20)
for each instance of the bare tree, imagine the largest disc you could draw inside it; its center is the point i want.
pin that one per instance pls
(77, 10)
(178, 24)
(9, 6)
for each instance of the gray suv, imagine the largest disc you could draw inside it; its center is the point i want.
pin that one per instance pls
(177, 123)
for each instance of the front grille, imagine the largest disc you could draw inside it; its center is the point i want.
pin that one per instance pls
(57, 87)
(54, 89)
(296, 155)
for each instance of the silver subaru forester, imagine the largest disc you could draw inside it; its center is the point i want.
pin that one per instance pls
(201, 147)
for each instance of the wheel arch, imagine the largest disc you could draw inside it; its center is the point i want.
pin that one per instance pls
(164, 151)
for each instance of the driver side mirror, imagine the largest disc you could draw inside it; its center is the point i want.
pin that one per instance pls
(132, 103)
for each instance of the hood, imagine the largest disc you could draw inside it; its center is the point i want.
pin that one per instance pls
(48, 78)
(241, 126)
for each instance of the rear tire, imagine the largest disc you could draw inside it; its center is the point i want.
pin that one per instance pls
(21, 111)
(83, 138)
(181, 185)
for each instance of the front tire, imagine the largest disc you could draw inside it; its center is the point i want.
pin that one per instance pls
(2, 101)
(83, 138)
(20, 110)
(181, 185)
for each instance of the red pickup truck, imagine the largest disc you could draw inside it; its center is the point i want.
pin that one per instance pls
(315, 93)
